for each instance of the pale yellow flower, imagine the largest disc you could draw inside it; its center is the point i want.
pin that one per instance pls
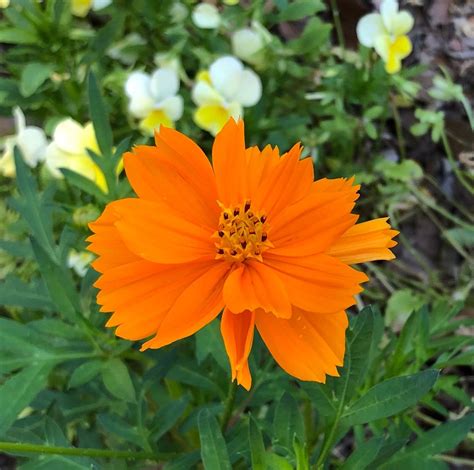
(249, 43)
(206, 16)
(79, 261)
(223, 92)
(82, 7)
(4, 3)
(69, 150)
(31, 141)
(387, 32)
(153, 98)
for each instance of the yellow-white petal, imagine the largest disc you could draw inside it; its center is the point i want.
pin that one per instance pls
(250, 89)
(80, 7)
(79, 261)
(388, 10)
(246, 43)
(19, 118)
(89, 140)
(382, 45)
(370, 27)
(203, 93)
(172, 106)
(402, 23)
(212, 118)
(164, 83)
(68, 136)
(137, 88)
(100, 4)
(7, 162)
(206, 16)
(32, 143)
(225, 75)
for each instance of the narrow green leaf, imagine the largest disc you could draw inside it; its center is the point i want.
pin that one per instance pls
(299, 9)
(117, 380)
(214, 452)
(120, 428)
(288, 422)
(100, 118)
(390, 397)
(84, 184)
(17, 392)
(434, 442)
(58, 282)
(16, 293)
(363, 455)
(167, 417)
(17, 36)
(257, 446)
(85, 373)
(209, 343)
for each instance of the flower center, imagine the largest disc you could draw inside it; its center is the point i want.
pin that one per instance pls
(241, 234)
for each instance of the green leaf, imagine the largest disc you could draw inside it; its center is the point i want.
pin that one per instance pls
(85, 373)
(359, 341)
(117, 380)
(84, 184)
(17, 36)
(58, 282)
(364, 454)
(299, 9)
(390, 397)
(209, 343)
(30, 206)
(314, 38)
(167, 417)
(257, 446)
(17, 392)
(214, 452)
(16, 293)
(100, 118)
(33, 76)
(118, 427)
(288, 422)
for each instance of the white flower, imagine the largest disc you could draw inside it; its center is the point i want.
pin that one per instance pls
(31, 141)
(69, 150)
(206, 16)
(4, 3)
(154, 99)
(82, 7)
(178, 12)
(79, 261)
(223, 92)
(248, 43)
(387, 32)
(167, 60)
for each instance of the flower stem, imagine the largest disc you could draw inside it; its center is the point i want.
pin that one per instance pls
(17, 447)
(398, 130)
(453, 164)
(229, 404)
(337, 23)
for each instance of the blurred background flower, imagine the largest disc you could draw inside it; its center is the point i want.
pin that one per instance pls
(79, 261)
(387, 33)
(68, 149)
(206, 16)
(82, 7)
(153, 98)
(249, 43)
(31, 141)
(224, 91)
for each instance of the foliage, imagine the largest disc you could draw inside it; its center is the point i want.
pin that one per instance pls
(71, 384)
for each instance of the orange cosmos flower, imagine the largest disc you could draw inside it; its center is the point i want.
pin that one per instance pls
(251, 235)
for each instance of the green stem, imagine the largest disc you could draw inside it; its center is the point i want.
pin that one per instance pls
(16, 447)
(454, 166)
(456, 460)
(337, 23)
(398, 130)
(229, 404)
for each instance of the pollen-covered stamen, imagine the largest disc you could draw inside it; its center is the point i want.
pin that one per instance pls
(241, 233)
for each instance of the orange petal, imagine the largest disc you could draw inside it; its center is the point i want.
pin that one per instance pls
(314, 223)
(237, 332)
(368, 241)
(252, 286)
(107, 243)
(317, 283)
(259, 165)
(198, 304)
(141, 293)
(229, 162)
(156, 233)
(308, 346)
(288, 182)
